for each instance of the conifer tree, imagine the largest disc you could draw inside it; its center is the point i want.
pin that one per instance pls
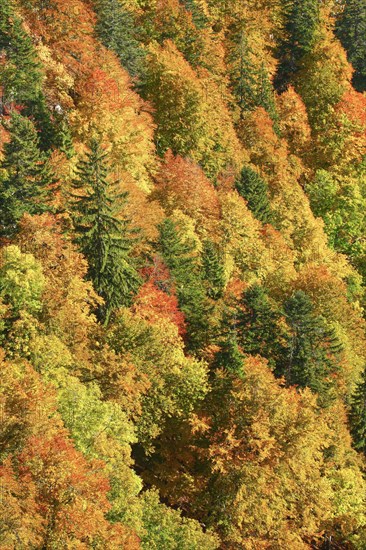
(229, 357)
(254, 189)
(241, 69)
(351, 30)
(195, 8)
(301, 21)
(257, 326)
(358, 415)
(213, 270)
(116, 29)
(265, 96)
(178, 254)
(312, 356)
(103, 234)
(20, 77)
(27, 175)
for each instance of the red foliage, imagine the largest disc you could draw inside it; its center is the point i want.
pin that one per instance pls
(152, 304)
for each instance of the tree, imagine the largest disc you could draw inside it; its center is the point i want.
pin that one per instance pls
(350, 29)
(358, 415)
(301, 21)
(313, 352)
(166, 528)
(21, 75)
(27, 175)
(258, 327)
(179, 255)
(254, 189)
(103, 234)
(116, 28)
(213, 269)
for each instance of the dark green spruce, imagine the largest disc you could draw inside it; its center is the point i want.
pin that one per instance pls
(103, 232)
(313, 351)
(24, 184)
(358, 415)
(254, 189)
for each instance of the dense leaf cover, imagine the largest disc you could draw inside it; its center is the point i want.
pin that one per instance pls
(182, 274)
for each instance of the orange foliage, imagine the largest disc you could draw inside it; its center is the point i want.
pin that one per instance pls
(153, 304)
(182, 184)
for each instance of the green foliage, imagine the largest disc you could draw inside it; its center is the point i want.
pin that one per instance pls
(341, 202)
(313, 352)
(229, 357)
(213, 269)
(179, 255)
(166, 528)
(21, 281)
(21, 75)
(301, 22)
(116, 28)
(195, 8)
(358, 415)
(350, 29)
(24, 184)
(175, 383)
(254, 189)
(257, 323)
(103, 233)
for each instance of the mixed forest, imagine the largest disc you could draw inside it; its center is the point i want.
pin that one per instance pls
(182, 274)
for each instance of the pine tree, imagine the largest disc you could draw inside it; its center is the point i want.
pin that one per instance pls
(258, 328)
(116, 29)
(301, 21)
(351, 30)
(104, 236)
(312, 356)
(254, 189)
(20, 77)
(213, 270)
(27, 176)
(358, 415)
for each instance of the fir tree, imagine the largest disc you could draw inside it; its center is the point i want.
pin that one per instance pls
(213, 270)
(312, 356)
(195, 8)
(301, 21)
(253, 188)
(230, 356)
(103, 234)
(27, 175)
(178, 254)
(242, 71)
(258, 328)
(116, 29)
(351, 30)
(20, 77)
(358, 415)
(265, 97)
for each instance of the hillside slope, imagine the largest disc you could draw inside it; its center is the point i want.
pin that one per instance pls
(182, 274)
